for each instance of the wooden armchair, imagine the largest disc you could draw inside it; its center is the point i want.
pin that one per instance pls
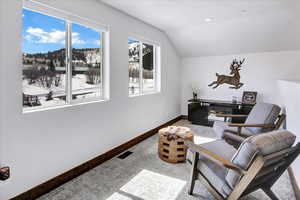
(231, 174)
(263, 117)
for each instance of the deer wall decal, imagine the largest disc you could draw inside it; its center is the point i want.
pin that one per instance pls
(233, 80)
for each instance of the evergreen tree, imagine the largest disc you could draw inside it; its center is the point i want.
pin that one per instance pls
(73, 70)
(52, 66)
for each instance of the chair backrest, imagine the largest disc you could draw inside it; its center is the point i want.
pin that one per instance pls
(272, 146)
(274, 165)
(265, 171)
(262, 113)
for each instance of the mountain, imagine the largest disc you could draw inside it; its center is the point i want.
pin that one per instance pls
(80, 57)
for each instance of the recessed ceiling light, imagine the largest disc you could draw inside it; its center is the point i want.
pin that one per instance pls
(208, 19)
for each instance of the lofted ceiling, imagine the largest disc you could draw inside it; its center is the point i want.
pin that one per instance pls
(220, 27)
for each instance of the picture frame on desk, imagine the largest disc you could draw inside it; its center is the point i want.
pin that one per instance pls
(249, 97)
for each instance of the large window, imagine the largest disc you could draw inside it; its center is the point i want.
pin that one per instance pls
(143, 67)
(62, 61)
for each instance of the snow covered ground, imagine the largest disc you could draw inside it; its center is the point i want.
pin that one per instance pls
(78, 83)
(79, 86)
(134, 86)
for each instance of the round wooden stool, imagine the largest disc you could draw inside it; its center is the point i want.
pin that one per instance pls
(171, 146)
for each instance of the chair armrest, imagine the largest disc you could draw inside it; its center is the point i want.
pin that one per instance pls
(252, 125)
(219, 160)
(234, 137)
(231, 115)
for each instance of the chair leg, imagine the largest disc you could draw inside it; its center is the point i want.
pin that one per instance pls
(193, 175)
(270, 193)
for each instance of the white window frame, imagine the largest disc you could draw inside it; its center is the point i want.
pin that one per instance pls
(156, 66)
(70, 19)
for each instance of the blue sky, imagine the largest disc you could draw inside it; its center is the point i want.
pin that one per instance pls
(132, 41)
(42, 33)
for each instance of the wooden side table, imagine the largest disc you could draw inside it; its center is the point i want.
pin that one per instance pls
(171, 146)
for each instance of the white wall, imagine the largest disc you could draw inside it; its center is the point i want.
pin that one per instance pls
(39, 146)
(260, 73)
(290, 94)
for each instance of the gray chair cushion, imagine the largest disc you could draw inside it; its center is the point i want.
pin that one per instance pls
(214, 173)
(263, 144)
(221, 127)
(220, 147)
(262, 113)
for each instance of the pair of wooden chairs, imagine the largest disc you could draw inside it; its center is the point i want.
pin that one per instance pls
(264, 117)
(259, 159)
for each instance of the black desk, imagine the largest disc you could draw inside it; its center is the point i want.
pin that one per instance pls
(199, 110)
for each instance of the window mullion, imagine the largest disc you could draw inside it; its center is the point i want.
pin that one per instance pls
(69, 62)
(141, 68)
(102, 39)
(154, 68)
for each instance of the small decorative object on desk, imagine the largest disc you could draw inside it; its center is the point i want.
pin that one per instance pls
(194, 96)
(171, 146)
(195, 90)
(4, 173)
(249, 97)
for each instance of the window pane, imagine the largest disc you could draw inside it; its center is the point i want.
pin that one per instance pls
(148, 68)
(86, 62)
(44, 68)
(134, 67)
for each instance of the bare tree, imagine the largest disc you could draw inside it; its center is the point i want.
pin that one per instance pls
(93, 76)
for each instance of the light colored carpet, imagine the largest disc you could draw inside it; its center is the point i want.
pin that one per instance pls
(143, 176)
